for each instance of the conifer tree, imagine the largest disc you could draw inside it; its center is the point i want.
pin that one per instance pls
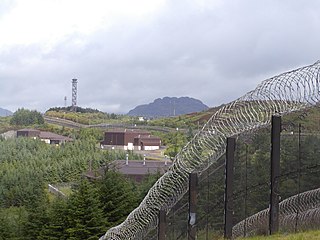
(84, 216)
(4, 233)
(117, 196)
(37, 216)
(55, 229)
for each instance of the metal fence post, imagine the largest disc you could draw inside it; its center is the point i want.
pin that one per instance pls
(229, 178)
(275, 173)
(162, 225)
(193, 191)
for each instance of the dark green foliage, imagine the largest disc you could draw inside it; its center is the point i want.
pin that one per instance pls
(25, 117)
(84, 215)
(26, 163)
(55, 227)
(93, 208)
(90, 134)
(78, 109)
(146, 184)
(85, 116)
(78, 217)
(5, 124)
(37, 216)
(11, 223)
(4, 233)
(117, 196)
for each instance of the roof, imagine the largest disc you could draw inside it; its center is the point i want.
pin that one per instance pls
(28, 130)
(149, 137)
(136, 167)
(53, 136)
(46, 135)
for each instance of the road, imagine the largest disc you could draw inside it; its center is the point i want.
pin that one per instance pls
(71, 124)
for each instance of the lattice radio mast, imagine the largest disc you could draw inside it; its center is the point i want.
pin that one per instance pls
(74, 95)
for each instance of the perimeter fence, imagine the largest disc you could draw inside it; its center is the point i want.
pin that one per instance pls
(299, 176)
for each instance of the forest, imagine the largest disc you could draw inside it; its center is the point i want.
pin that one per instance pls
(28, 211)
(27, 166)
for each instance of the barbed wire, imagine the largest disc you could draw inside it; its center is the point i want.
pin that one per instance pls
(301, 210)
(282, 94)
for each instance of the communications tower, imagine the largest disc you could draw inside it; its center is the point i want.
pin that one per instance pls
(74, 95)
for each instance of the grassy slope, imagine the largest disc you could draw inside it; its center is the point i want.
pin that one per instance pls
(311, 235)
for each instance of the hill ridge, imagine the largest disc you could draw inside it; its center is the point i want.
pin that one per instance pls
(169, 106)
(5, 112)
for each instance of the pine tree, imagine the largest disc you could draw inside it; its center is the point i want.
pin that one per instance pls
(117, 196)
(4, 232)
(37, 216)
(55, 229)
(84, 215)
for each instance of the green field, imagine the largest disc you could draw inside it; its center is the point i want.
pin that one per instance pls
(311, 235)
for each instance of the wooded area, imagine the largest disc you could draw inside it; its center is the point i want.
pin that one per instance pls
(27, 166)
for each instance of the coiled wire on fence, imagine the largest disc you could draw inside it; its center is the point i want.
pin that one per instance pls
(298, 212)
(282, 94)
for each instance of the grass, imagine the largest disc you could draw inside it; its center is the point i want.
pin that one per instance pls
(310, 235)
(67, 190)
(64, 188)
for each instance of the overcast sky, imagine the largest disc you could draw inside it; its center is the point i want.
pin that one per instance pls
(126, 53)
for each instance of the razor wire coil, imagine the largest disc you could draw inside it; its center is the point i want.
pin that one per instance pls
(301, 210)
(282, 94)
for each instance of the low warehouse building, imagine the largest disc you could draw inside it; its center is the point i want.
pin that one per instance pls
(131, 140)
(47, 137)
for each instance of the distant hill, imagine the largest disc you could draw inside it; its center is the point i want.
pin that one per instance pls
(169, 106)
(5, 112)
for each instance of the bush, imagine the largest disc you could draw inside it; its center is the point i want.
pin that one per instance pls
(26, 117)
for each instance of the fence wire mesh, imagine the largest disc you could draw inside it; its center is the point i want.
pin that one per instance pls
(283, 94)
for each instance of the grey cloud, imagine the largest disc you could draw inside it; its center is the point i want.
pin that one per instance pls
(215, 54)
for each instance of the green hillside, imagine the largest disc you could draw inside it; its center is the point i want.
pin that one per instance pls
(27, 166)
(312, 235)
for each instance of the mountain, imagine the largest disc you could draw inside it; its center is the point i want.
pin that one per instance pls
(5, 112)
(169, 106)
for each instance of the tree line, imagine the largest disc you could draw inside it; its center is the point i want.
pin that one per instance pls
(28, 211)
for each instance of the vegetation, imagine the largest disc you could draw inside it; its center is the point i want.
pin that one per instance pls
(311, 235)
(86, 116)
(28, 211)
(23, 158)
(78, 109)
(187, 121)
(5, 124)
(27, 166)
(174, 142)
(25, 117)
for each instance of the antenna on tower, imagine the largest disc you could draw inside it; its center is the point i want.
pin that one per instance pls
(74, 95)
